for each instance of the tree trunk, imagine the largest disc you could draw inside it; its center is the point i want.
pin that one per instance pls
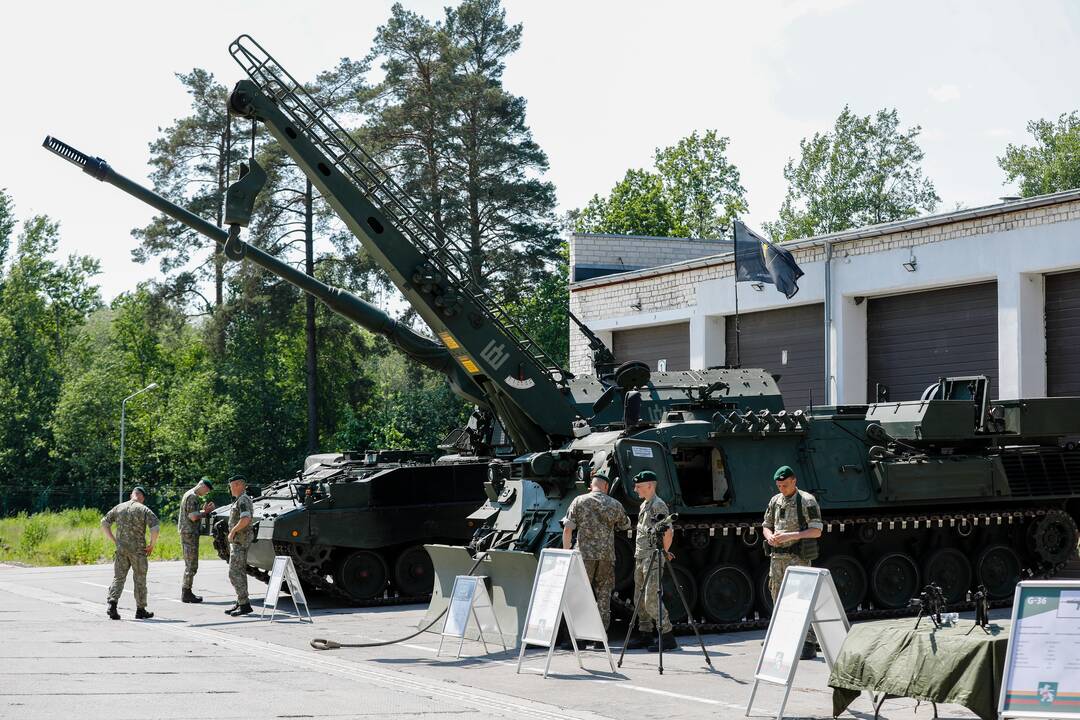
(309, 328)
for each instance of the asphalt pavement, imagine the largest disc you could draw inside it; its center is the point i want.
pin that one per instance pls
(61, 656)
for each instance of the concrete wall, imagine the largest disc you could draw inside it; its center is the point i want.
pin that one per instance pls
(1014, 247)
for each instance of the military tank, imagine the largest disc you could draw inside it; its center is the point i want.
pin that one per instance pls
(355, 523)
(953, 488)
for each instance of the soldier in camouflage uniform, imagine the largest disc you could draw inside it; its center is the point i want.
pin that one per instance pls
(645, 588)
(791, 527)
(596, 516)
(240, 538)
(191, 514)
(132, 518)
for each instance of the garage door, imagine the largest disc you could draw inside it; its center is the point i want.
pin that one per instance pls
(789, 343)
(914, 339)
(670, 343)
(1063, 334)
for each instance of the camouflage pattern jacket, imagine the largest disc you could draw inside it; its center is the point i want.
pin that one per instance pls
(596, 516)
(782, 515)
(132, 520)
(650, 510)
(190, 503)
(242, 507)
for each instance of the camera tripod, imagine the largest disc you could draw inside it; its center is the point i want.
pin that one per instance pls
(659, 556)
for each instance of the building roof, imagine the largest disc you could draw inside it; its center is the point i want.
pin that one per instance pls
(868, 231)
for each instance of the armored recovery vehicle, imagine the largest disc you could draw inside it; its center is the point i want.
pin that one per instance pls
(953, 488)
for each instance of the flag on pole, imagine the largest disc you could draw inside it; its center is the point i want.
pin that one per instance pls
(758, 260)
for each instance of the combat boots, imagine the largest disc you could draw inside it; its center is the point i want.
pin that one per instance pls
(231, 610)
(143, 614)
(189, 597)
(111, 612)
(669, 643)
(244, 609)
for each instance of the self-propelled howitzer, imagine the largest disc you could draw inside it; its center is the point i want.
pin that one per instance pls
(354, 522)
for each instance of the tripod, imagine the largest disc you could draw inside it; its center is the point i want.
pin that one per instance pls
(659, 555)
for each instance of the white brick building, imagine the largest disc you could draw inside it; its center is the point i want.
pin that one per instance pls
(992, 290)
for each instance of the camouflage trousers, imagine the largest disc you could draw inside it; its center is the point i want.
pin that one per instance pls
(238, 571)
(649, 605)
(189, 544)
(601, 572)
(124, 560)
(778, 565)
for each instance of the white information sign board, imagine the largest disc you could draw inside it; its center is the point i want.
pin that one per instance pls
(1042, 664)
(807, 597)
(470, 599)
(561, 591)
(284, 570)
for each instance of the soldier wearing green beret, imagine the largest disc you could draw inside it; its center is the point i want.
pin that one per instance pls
(791, 528)
(191, 514)
(652, 512)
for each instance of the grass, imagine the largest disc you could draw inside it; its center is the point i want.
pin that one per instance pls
(74, 537)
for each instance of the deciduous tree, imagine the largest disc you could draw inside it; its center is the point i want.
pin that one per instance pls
(1051, 163)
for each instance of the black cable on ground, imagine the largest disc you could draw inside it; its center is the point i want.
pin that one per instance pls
(324, 644)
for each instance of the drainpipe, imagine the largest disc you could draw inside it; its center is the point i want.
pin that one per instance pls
(828, 324)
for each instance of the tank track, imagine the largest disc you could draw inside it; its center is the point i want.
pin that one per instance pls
(750, 531)
(315, 578)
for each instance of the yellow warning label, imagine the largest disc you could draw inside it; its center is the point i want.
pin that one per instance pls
(469, 365)
(449, 341)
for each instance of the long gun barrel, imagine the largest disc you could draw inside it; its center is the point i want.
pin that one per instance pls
(417, 347)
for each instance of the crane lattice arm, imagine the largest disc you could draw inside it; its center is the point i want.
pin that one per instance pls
(429, 266)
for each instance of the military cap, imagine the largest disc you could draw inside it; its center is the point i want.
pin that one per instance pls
(782, 473)
(206, 481)
(645, 476)
(236, 478)
(139, 489)
(600, 476)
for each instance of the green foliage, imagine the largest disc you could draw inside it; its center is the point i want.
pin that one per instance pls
(694, 192)
(74, 537)
(544, 313)
(863, 172)
(459, 140)
(1051, 163)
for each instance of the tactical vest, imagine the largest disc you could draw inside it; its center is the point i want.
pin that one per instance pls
(806, 549)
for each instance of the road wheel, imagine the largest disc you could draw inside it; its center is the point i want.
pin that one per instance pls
(727, 594)
(413, 572)
(672, 604)
(763, 596)
(949, 569)
(1053, 538)
(850, 580)
(894, 580)
(361, 575)
(998, 568)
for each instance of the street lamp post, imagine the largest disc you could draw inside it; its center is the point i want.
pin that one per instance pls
(123, 419)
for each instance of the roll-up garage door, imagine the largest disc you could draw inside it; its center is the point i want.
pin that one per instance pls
(790, 343)
(670, 343)
(914, 339)
(1063, 334)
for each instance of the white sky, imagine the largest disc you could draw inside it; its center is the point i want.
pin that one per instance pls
(606, 83)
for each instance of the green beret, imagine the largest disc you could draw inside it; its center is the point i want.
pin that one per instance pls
(238, 478)
(140, 489)
(645, 476)
(206, 481)
(782, 473)
(601, 476)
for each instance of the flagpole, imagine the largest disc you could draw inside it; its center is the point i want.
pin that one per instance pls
(735, 277)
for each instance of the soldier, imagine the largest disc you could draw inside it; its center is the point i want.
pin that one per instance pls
(132, 518)
(791, 527)
(650, 609)
(596, 516)
(188, 525)
(240, 537)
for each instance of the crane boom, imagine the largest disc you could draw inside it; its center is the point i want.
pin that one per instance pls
(527, 389)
